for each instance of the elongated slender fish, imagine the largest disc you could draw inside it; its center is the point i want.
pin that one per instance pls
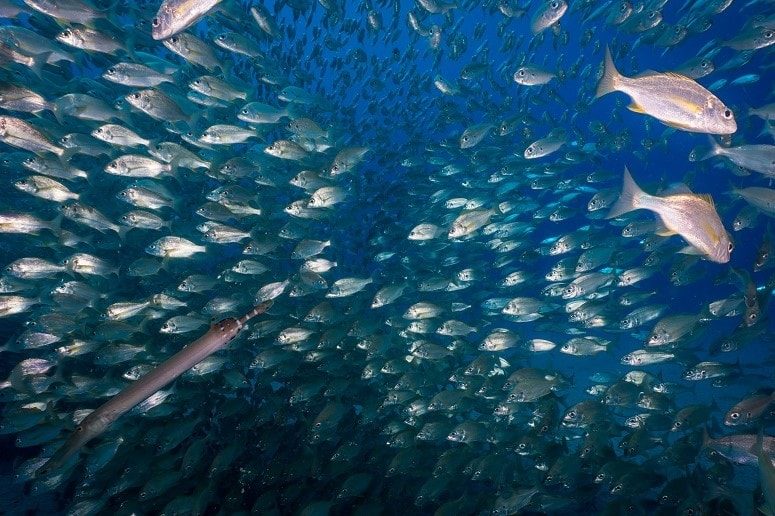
(219, 335)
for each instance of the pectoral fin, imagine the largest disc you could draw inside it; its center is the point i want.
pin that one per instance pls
(676, 125)
(636, 108)
(690, 249)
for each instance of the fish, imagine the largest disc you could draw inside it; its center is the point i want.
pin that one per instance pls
(759, 158)
(748, 410)
(474, 134)
(547, 15)
(546, 146)
(98, 421)
(675, 100)
(175, 16)
(689, 215)
(420, 190)
(532, 76)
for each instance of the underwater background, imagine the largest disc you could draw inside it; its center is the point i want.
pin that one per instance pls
(332, 402)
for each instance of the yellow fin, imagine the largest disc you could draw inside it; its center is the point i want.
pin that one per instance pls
(676, 125)
(636, 108)
(665, 232)
(691, 250)
(707, 198)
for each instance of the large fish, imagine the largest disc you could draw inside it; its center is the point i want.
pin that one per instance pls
(673, 99)
(690, 215)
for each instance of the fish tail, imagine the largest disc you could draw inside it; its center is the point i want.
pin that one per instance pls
(611, 75)
(37, 62)
(55, 225)
(715, 149)
(628, 199)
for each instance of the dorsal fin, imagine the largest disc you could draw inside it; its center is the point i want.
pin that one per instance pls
(675, 75)
(676, 189)
(647, 73)
(708, 198)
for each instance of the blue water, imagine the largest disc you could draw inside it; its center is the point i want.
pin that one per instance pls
(379, 88)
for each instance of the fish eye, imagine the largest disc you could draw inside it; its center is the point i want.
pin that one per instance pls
(156, 22)
(768, 34)
(734, 415)
(244, 111)
(727, 114)
(554, 5)
(705, 64)
(222, 37)
(730, 247)
(572, 413)
(174, 39)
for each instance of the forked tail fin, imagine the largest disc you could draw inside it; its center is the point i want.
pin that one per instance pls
(628, 199)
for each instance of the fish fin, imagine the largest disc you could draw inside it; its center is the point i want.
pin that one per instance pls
(647, 73)
(705, 437)
(37, 63)
(675, 75)
(628, 199)
(56, 225)
(708, 198)
(122, 231)
(676, 125)
(665, 232)
(610, 77)
(676, 189)
(715, 149)
(691, 250)
(67, 153)
(636, 108)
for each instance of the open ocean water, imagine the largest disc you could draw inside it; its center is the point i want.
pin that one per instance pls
(452, 321)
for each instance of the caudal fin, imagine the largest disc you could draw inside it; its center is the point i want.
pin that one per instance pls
(628, 199)
(715, 149)
(611, 75)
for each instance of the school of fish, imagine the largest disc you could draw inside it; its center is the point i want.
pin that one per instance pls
(299, 257)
